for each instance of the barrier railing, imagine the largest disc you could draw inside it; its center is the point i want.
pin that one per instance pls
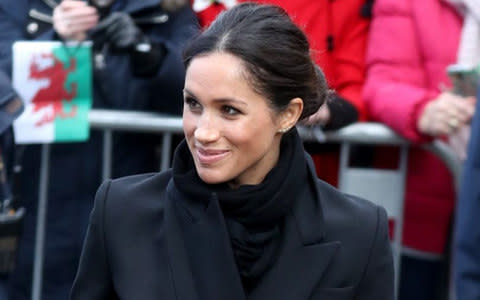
(109, 121)
(378, 134)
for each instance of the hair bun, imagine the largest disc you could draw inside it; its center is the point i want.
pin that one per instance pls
(320, 94)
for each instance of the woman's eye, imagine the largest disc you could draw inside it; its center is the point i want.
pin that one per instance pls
(231, 111)
(192, 103)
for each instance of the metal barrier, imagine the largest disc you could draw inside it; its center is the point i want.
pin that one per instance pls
(378, 134)
(109, 121)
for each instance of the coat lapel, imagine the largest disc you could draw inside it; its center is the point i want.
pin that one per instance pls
(209, 270)
(180, 269)
(298, 269)
(305, 255)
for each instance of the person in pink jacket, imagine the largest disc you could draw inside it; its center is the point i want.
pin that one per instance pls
(411, 44)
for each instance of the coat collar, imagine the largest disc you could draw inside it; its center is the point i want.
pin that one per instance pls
(309, 214)
(303, 259)
(305, 255)
(176, 252)
(208, 228)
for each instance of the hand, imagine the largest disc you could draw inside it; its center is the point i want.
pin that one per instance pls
(458, 141)
(118, 30)
(72, 19)
(446, 114)
(321, 117)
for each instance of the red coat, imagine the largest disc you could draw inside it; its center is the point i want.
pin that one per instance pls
(343, 64)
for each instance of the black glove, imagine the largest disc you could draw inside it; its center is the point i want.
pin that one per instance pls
(146, 58)
(118, 30)
(342, 112)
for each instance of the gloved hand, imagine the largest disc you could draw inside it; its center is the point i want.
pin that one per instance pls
(119, 31)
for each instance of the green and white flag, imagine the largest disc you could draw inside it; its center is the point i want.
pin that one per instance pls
(55, 82)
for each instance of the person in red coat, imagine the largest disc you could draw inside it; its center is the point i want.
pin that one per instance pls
(338, 33)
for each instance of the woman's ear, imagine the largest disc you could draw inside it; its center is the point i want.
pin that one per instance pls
(289, 117)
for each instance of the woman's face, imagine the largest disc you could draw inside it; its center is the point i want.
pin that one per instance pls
(230, 129)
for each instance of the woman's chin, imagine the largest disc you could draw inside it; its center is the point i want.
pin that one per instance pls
(212, 177)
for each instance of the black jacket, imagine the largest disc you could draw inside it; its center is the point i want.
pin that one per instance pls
(467, 229)
(334, 247)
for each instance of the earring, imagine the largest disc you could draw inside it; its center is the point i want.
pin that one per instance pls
(283, 130)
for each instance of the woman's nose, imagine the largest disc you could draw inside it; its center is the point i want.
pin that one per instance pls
(206, 130)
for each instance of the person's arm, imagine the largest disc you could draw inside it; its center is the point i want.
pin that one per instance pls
(163, 66)
(342, 113)
(350, 68)
(93, 280)
(170, 77)
(377, 282)
(13, 30)
(335, 113)
(396, 89)
(9, 33)
(148, 49)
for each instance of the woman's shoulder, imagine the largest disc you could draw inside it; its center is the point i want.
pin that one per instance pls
(142, 180)
(133, 193)
(337, 214)
(141, 183)
(333, 198)
(349, 214)
(358, 230)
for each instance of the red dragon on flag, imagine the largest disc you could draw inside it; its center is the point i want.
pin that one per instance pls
(53, 95)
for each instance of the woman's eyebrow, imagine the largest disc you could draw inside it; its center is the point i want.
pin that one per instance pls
(221, 100)
(231, 100)
(186, 91)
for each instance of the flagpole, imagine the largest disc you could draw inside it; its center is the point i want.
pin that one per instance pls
(41, 224)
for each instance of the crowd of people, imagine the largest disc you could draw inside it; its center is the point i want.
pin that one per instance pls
(128, 79)
(383, 61)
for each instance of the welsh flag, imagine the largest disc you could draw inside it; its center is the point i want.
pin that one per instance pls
(55, 82)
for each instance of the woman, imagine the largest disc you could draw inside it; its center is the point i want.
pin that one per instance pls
(407, 89)
(337, 32)
(241, 215)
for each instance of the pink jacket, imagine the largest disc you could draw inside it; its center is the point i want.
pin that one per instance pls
(411, 43)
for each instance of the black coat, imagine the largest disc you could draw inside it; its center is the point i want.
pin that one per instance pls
(141, 230)
(467, 235)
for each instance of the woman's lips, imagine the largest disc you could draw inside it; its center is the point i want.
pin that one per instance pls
(210, 156)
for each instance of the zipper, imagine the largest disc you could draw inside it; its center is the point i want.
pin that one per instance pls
(51, 3)
(160, 19)
(40, 16)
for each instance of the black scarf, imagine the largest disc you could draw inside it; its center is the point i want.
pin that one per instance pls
(253, 213)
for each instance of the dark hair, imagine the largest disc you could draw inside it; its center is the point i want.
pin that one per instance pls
(275, 53)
